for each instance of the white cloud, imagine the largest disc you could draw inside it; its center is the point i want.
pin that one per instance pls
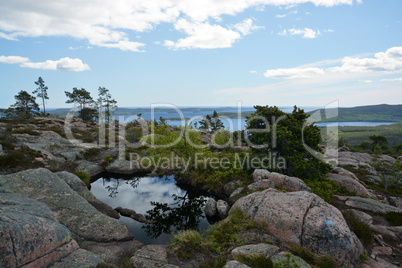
(207, 36)
(107, 23)
(253, 72)
(64, 64)
(8, 37)
(306, 32)
(280, 16)
(13, 59)
(391, 79)
(125, 45)
(293, 73)
(389, 61)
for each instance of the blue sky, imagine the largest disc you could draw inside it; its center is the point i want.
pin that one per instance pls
(205, 53)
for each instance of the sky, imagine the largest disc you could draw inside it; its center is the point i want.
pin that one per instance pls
(205, 52)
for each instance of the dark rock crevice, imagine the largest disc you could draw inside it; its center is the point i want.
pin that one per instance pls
(312, 204)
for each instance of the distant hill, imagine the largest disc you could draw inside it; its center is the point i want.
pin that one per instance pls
(372, 113)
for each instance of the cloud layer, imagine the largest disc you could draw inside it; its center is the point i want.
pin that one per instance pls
(389, 61)
(108, 23)
(64, 64)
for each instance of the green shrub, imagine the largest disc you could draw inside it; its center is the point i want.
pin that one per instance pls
(394, 218)
(91, 152)
(84, 176)
(26, 131)
(225, 233)
(327, 188)
(255, 260)
(186, 243)
(314, 259)
(361, 229)
(107, 159)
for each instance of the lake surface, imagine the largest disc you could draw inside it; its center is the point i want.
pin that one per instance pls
(232, 124)
(167, 207)
(353, 124)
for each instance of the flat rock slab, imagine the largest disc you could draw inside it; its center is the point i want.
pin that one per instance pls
(78, 259)
(81, 188)
(69, 207)
(351, 184)
(370, 205)
(151, 256)
(263, 249)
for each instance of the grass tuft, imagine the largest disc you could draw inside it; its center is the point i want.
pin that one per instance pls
(255, 260)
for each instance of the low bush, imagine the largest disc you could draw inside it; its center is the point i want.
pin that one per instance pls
(394, 218)
(255, 260)
(327, 188)
(186, 243)
(361, 229)
(314, 259)
(84, 176)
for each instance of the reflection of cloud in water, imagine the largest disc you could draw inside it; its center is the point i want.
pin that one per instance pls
(149, 189)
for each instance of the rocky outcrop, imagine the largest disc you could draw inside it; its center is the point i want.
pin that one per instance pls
(151, 256)
(351, 184)
(78, 259)
(269, 251)
(111, 252)
(30, 235)
(80, 187)
(305, 219)
(367, 204)
(362, 160)
(122, 166)
(266, 179)
(69, 207)
(91, 168)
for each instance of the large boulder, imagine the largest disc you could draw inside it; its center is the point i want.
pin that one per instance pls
(280, 181)
(306, 219)
(30, 235)
(69, 207)
(351, 184)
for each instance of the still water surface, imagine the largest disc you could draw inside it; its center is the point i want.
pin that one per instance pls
(167, 207)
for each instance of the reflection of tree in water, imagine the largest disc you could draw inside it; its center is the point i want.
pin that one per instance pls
(185, 213)
(113, 189)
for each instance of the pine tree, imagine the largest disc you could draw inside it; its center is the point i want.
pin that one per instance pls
(41, 92)
(105, 100)
(24, 106)
(83, 98)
